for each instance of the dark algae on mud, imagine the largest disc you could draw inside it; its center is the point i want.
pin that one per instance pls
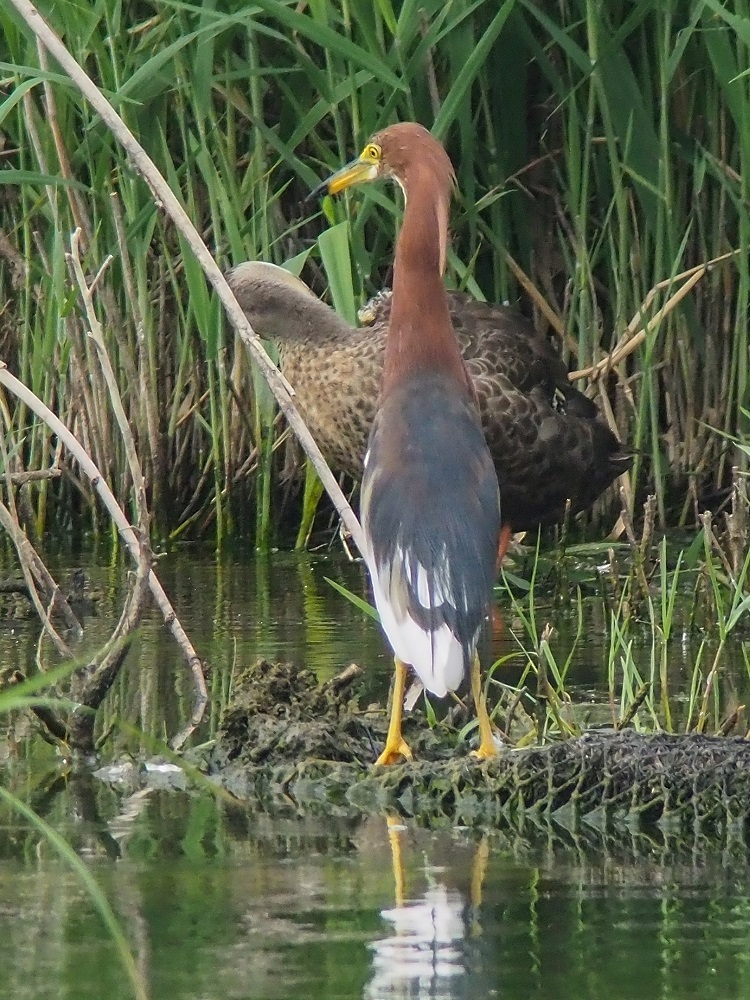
(289, 743)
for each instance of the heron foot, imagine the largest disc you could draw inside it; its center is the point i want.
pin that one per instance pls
(485, 751)
(394, 752)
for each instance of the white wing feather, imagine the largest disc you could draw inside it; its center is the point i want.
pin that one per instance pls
(436, 656)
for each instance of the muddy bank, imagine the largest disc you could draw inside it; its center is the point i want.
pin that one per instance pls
(287, 743)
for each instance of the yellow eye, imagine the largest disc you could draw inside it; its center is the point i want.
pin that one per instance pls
(371, 152)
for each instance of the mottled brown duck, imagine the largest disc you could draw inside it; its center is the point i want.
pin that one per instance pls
(548, 441)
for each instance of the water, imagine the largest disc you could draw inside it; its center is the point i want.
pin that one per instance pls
(221, 903)
(239, 608)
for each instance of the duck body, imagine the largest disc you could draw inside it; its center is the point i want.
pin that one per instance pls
(547, 440)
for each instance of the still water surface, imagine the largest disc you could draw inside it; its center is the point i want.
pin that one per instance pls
(221, 903)
(221, 907)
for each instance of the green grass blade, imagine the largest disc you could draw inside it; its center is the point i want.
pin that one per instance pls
(354, 599)
(336, 257)
(69, 856)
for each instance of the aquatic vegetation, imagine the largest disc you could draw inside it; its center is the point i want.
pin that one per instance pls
(646, 593)
(289, 743)
(613, 210)
(33, 695)
(91, 681)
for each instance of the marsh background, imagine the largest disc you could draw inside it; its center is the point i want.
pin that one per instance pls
(602, 159)
(600, 153)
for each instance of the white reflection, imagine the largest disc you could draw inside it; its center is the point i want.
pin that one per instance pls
(425, 947)
(425, 955)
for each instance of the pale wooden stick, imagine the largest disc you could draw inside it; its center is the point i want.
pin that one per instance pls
(127, 533)
(164, 196)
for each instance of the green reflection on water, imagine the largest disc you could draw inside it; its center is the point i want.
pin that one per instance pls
(240, 607)
(222, 904)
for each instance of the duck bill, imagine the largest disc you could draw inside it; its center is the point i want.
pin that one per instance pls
(356, 172)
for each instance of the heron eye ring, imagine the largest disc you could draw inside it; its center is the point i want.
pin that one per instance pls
(372, 152)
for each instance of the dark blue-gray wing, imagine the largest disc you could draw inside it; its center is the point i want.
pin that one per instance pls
(431, 513)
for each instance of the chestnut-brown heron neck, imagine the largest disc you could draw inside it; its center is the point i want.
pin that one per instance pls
(421, 334)
(420, 331)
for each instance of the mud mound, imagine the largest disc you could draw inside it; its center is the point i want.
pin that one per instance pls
(280, 715)
(289, 743)
(601, 779)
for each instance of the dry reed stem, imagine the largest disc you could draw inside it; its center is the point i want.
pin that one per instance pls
(144, 377)
(638, 579)
(647, 534)
(124, 528)
(713, 543)
(35, 476)
(541, 303)
(635, 333)
(737, 523)
(95, 333)
(166, 199)
(710, 682)
(77, 204)
(626, 486)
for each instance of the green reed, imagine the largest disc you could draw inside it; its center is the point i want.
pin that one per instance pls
(691, 593)
(601, 149)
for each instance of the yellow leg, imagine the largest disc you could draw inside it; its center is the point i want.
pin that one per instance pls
(478, 871)
(395, 829)
(396, 746)
(487, 746)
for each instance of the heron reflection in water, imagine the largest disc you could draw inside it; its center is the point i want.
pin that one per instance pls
(431, 951)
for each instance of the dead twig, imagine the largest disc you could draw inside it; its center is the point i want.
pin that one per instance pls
(167, 200)
(121, 523)
(33, 476)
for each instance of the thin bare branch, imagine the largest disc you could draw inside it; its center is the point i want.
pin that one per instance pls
(95, 333)
(122, 524)
(166, 198)
(34, 476)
